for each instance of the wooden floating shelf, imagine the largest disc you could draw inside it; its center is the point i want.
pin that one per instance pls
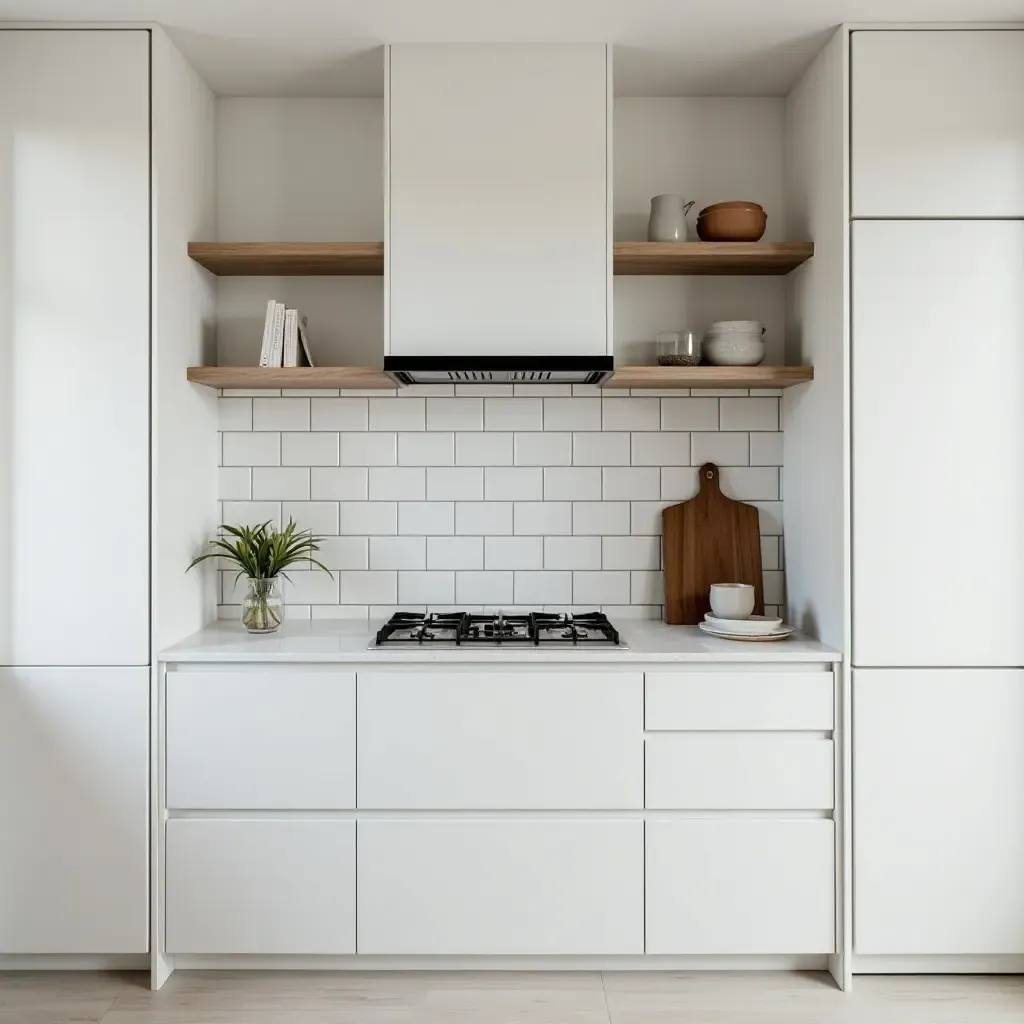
(706, 258)
(709, 376)
(312, 259)
(290, 259)
(372, 377)
(253, 377)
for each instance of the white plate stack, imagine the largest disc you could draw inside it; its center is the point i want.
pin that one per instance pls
(753, 627)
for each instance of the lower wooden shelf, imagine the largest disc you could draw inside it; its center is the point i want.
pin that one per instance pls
(253, 377)
(709, 376)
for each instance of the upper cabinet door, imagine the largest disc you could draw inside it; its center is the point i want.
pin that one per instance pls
(74, 347)
(938, 443)
(938, 124)
(497, 237)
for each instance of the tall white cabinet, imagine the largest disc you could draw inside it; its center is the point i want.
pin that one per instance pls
(937, 348)
(74, 490)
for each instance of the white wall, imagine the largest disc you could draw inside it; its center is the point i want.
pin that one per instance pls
(815, 415)
(185, 442)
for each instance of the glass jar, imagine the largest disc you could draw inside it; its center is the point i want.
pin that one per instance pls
(263, 604)
(678, 348)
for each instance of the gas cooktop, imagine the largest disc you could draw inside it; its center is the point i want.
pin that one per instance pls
(457, 629)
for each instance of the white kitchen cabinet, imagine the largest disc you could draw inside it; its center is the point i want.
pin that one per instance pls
(498, 225)
(937, 124)
(500, 740)
(938, 814)
(500, 886)
(260, 886)
(74, 347)
(938, 443)
(283, 739)
(744, 886)
(74, 789)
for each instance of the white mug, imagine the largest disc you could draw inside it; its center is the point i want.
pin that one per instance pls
(732, 600)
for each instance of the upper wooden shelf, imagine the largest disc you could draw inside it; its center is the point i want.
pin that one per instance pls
(309, 259)
(293, 259)
(709, 376)
(710, 257)
(259, 377)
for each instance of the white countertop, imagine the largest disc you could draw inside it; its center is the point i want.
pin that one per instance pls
(342, 641)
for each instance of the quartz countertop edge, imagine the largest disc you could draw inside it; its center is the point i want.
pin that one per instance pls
(339, 641)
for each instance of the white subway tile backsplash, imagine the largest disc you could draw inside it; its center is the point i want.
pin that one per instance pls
(426, 449)
(395, 414)
(337, 483)
(750, 414)
(368, 518)
(398, 552)
(639, 483)
(280, 414)
(251, 513)
(770, 553)
(250, 449)
(645, 518)
(312, 449)
(533, 589)
(310, 586)
(631, 413)
(511, 483)
(426, 391)
(570, 483)
(455, 483)
(679, 483)
(347, 612)
(631, 611)
(455, 414)
(372, 587)
(234, 413)
(600, 518)
(665, 448)
(344, 552)
(397, 483)
(483, 518)
(483, 390)
(572, 413)
(572, 553)
(723, 449)
(359, 449)
(429, 588)
(600, 587)
(513, 414)
(234, 483)
(455, 552)
(750, 483)
(542, 518)
(513, 553)
(689, 413)
(543, 449)
(319, 516)
(483, 449)
(483, 588)
(339, 413)
(600, 449)
(426, 517)
(646, 587)
(774, 589)
(766, 449)
(769, 517)
(541, 390)
(631, 553)
(270, 483)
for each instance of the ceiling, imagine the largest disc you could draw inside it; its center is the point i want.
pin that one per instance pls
(662, 47)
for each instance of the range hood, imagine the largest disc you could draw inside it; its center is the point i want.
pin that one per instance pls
(498, 370)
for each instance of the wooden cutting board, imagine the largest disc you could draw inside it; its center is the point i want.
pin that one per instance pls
(708, 539)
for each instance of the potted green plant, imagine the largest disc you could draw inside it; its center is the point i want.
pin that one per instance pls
(262, 553)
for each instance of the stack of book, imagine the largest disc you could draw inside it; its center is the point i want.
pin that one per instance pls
(285, 340)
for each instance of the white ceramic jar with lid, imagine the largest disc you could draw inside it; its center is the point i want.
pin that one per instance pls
(734, 343)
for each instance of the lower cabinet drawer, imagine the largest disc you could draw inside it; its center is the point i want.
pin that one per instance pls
(740, 886)
(501, 887)
(260, 886)
(718, 771)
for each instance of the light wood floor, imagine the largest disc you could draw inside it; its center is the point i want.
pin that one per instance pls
(202, 997)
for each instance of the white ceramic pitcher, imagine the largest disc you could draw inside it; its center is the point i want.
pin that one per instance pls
(668, 218)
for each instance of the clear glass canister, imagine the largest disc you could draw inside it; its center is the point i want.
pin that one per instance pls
(678, 348)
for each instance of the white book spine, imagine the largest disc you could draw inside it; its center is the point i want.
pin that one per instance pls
(291, 338)
(277, 349)
(268, 333)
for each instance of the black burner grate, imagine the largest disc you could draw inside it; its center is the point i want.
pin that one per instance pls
(463, 628)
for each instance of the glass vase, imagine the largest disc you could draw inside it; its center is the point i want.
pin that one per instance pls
(263, 605)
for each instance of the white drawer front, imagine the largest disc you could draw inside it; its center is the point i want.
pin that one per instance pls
(751, 700)
(719, 771)
(261, 740)
(270, 886)
(500, 740)
(740, 886)
(501, 887)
